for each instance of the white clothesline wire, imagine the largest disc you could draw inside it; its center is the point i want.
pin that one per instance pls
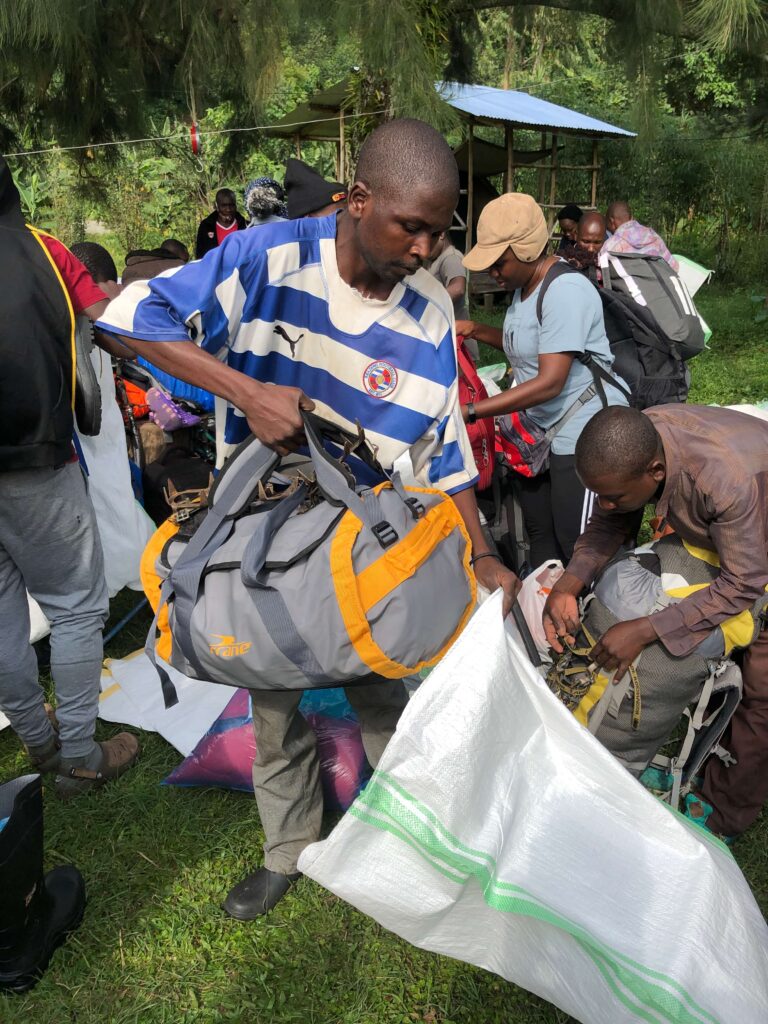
(183, 135)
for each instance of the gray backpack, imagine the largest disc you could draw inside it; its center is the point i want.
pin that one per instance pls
(637, 717)
(310, 580)
(655, 287)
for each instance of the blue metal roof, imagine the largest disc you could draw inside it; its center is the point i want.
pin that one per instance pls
(524, 111)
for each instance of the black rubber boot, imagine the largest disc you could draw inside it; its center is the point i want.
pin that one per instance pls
(258, 893)
(36, 912)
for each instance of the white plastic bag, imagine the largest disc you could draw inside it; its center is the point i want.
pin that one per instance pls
(498, 831)
(536, 588)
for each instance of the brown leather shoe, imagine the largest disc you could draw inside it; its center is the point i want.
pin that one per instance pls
(117, 756)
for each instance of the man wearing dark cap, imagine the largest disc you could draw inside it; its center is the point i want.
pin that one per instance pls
(308, 193)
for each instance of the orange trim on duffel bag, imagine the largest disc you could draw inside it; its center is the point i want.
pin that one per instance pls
(401, 561)
(356, 595)
(151, 581)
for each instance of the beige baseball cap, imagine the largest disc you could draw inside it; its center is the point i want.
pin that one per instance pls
(513, 220)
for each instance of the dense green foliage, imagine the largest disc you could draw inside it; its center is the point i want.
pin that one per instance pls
(697, 172)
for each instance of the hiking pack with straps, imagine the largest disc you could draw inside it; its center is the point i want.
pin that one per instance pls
(293, 583)
(638, 715)
(651, 323)
(523, 443)
(481, 433)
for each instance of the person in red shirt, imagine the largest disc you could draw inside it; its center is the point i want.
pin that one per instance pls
(223, 222)
(49, 542)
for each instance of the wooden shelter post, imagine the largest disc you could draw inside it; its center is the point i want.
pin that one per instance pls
(470, 184)
(342, 148)
(297, 140)
(509, 135)
(552, 183)
(542, 172)
(595, 168)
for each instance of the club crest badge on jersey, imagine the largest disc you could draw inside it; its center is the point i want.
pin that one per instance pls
(380, 379)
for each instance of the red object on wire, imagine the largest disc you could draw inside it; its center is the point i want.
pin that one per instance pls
(194, 137)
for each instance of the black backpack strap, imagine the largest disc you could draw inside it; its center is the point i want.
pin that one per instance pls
(555, 271)
(600, 375)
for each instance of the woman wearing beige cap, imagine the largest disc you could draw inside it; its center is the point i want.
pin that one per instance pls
(549, 344)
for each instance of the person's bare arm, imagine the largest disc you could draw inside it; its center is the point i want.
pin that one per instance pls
(490, 571)
(118, 348)
(272, 411)
(493, 336)
(456, 288)
(549, 382)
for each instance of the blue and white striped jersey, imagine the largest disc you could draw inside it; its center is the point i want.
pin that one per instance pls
(271, 302)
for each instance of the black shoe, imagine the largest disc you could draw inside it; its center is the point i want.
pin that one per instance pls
(37, 912)
(258, 893)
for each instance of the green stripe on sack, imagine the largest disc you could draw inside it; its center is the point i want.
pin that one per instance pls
(650, 995)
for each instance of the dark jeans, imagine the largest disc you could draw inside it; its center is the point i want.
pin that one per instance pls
(556, 508)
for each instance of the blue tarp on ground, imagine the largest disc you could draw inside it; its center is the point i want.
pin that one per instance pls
(521, 109)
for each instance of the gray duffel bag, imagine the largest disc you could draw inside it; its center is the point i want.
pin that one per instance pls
(292, 584)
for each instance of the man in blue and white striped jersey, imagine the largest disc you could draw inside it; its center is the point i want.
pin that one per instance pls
(335, 314)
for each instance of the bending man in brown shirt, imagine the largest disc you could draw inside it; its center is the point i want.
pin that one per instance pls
(706, 470)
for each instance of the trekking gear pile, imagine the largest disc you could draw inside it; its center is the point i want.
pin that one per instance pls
(637, 716)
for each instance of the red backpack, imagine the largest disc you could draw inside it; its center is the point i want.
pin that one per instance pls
(509, 448)
(481, 434)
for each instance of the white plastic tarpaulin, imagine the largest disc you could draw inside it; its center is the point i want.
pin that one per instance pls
(123, 524)
(131, 695)
(498, 831)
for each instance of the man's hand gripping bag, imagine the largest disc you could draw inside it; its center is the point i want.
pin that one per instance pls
(291, 584)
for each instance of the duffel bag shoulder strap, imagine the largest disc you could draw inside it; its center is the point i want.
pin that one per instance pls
(250, 463)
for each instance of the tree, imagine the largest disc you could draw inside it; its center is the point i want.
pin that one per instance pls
(79, 70)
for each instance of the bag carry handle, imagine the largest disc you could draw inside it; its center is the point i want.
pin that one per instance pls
(235, 486)
(339, 486)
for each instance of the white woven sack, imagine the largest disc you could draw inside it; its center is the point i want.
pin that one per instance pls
(498, 831)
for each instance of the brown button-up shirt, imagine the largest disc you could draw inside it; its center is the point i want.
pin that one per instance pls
(715, 496)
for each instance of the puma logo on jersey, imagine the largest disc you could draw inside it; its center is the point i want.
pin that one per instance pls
(291, 341)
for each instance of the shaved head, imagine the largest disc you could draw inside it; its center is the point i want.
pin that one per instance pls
(618, 213)
(407, 156)
(591, 232)
(617, 442)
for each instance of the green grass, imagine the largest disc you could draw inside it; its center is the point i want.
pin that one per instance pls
(155, 947)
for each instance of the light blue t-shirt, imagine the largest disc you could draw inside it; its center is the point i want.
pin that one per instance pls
(571, 321)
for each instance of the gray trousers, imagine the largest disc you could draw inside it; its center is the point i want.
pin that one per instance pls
(286, 771)
(50, 546)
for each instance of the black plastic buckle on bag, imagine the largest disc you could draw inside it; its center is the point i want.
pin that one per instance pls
(385, 533)
(416, 507)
